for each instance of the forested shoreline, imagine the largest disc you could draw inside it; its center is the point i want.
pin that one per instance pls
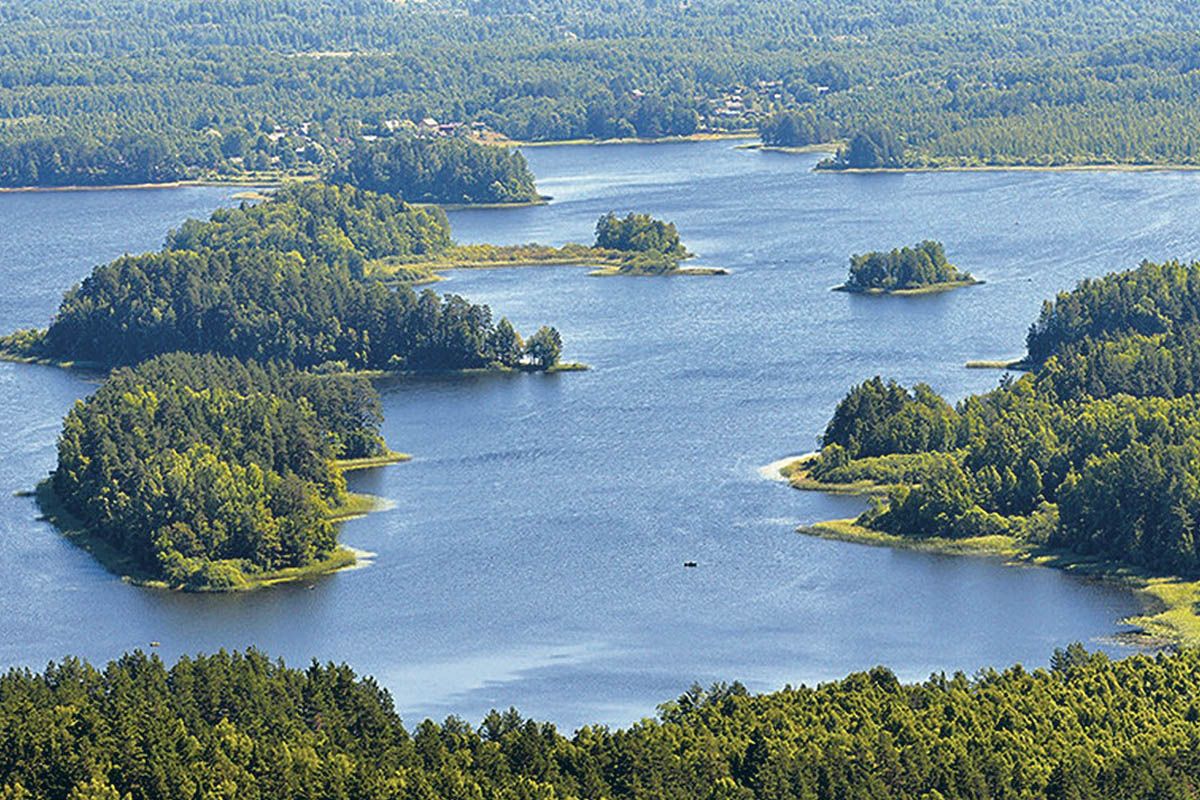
(259, 89)
(240, 723)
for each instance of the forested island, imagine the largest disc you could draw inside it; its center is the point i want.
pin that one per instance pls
(283, 280)
(636, 244)
(108, 92)
(1087, 727)
(212, 474)
(1091, 460)
(920, 269)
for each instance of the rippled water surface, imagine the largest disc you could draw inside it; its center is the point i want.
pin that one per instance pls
(533, 556)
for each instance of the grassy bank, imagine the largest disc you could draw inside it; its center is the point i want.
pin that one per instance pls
(382, 460)
(17, 357)
(608, 272)
(798, 476)
(1000, 363)
(424, 269)
(540, 200)
(932, 288)
(846, 530)
(356, 505)
(383, 374)
(487, 256)
(1171, 603)
(131, 570)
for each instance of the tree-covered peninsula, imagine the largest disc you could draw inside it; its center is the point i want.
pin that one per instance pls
(919, 269)
(286, 279)
(1093, 457)
(265, 305)
(240, 724)
(209, 473)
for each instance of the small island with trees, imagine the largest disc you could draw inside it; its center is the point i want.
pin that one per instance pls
(920, 269)
(633, 245)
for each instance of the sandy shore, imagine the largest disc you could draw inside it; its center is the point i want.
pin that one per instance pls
(771, 471)
(362, 559)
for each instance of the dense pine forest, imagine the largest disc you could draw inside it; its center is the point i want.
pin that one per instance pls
(1096, 451)
(236, 391)
(120, 91)
(241, 725)
(205, 470)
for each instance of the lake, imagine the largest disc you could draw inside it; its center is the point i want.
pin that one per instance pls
(533, 552)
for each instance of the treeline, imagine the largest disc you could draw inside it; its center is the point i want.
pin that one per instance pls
(638, 233)
(264, 305)
(913, 267)
(256, 85)
(1097, 451)
(873, 149)
(77, 158)
(454, 170)
(1154, 299)
(1086, 728)
(207, 471)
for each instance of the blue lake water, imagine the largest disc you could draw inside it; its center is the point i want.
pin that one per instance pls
(533, 555)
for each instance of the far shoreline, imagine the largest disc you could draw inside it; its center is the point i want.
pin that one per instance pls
(824, 147)
(1011, 168)
(251, 184)
(708, 136)
(124, 187)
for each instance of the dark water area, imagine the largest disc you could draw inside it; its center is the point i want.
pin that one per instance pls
(533, 552)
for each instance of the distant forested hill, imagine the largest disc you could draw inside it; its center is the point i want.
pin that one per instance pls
(118, 91)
